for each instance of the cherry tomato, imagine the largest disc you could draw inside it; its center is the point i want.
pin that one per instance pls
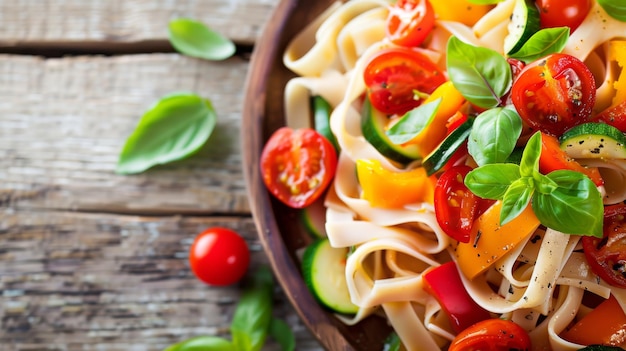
(410, 21)
(561, 13)
(554, 93)
(607, 255)
(614, 115)
(554, 158)
(297, 165)
(491, 335)
(456, 206)
(219, 256)
(395, 75)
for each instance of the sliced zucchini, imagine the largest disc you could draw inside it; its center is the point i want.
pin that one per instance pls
(440, 155)
(321, 119)
(323, 268)
(313, 217)
(373, 127)
(524, 23)
(594, 140)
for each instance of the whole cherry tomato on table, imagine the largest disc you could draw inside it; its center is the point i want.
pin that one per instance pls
(410, 21)
(394, 76)
(219, 256)
(554, 93)
(607, 255)
(492, 335)
(297, 165)
(561, 13)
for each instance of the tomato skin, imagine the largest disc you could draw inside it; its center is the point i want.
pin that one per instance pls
(219, 256)
(409, 22)
(553, 158)
(297, 165)
(394, 75)
(607, 255)
(554, 93)
(614, 116)
(492, 335)
(561, 13)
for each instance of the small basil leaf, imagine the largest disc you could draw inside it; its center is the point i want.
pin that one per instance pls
(574, 207)
(392, 343)
(515, 200)
(175, 128)
(494, 135)
(193, 38)
(203, 343)
(529, 165)
(493, 180)
(253, 314)
(480, 74)
(411, 124)
(544, 42)
(615, 8)
(280, 331)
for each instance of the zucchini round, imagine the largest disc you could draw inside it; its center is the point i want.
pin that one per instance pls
(594, 140)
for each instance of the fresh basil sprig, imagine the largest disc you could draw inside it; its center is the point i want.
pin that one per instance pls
(564, 200)
(481, 75)
(615, 8)
(413, 122)
(544, 42)
(193, 38)
(494, 135)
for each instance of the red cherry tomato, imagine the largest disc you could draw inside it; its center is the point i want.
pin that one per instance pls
(297, 165)
(410, 21)
(491, 335)
(607, 255)
(614, 115)
(561, 13)
(456, 206)
(554, 158)
(554, 93)
(219, 256)
(394, 75)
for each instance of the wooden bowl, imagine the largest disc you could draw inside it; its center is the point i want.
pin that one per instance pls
(278, 226)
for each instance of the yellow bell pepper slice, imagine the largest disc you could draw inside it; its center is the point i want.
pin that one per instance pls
(433, 134)
(617, 53)
(459, 10)
(489, 240)
(389, 189)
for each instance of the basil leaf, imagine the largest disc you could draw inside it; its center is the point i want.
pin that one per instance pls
(573, 207)
(544, 42)
(493, 180)
(280, 331)
(193, 38)
(480, 74)
(203, 343)
(615, 8)
(412, 123)
(175, 128)
(515, 200)
(494, 135)
(529, 166)
(253, 315)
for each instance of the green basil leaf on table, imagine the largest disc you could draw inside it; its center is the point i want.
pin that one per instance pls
(493, 180)
(494, 135)
(253, 315)
(481, 75)
(544, 42)
(281, 332)
(413, 122)
(529, 165)
(193, 38)
(174, 128)
(203, 343)
(515, 201)
(615, 8)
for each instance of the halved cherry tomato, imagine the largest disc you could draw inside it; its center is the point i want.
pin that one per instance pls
(614, 115)
(456, 206)
(492, 335)
(297, 165)
(409, 22)
(554, 158)
(396, 76)
(607, 255)
(219, 256)
(554, 93)
(561, 13)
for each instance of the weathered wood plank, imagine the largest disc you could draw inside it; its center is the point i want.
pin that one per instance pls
(108, 22)
(64, 121)
(75, 281)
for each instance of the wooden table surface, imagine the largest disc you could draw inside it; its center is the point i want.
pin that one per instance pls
(92, 260)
